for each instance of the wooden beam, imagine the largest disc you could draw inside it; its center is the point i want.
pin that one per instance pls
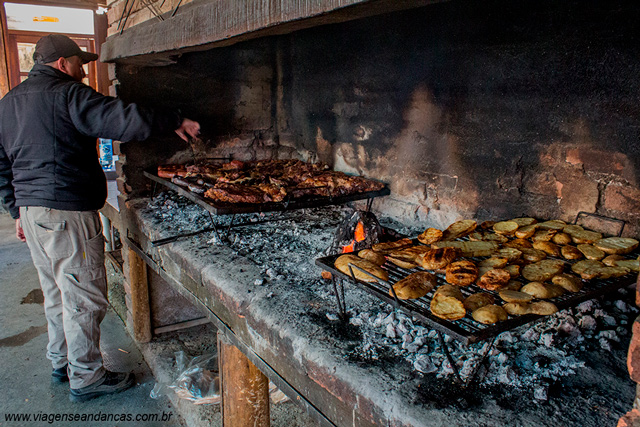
(212, 24)
(4, 66)
(181, 325)
(78, 4)
(244, 389)
(102, 72)
(141, 312)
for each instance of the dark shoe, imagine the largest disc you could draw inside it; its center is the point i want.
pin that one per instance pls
(111, 382)
(59, 375)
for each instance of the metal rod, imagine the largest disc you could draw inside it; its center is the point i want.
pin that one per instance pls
(148, 5)
(155, 10)
(228, 158)
(341, 308)
(124, 10)
(158, 11)
(106, 232)
(213, 226)
(344, 301)
(233, 217)
(480, 364)
(181, 325)
(112, 236)
(127, 17)
(167, 240)
(447, 353)
(379, 280)
(393, 292)
(176, 9)
(368, 273)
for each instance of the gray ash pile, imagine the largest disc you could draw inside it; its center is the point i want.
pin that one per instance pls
(532, 357)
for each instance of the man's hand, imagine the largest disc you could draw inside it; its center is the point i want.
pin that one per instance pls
(19, 231)
(187, 129)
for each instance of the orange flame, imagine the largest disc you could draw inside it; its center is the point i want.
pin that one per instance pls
(359, 234)
(349, 248)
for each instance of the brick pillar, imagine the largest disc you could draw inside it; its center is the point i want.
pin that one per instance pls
(632, 418)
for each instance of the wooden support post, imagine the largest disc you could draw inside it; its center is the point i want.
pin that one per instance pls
(4, 64)
(141, 312)
(245, 390)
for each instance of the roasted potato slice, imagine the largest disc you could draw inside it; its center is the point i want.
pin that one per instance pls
(489, 314)
(568, 282)
(447, 303)
(561, 238)
(459, 229)
(542, 290)
(549, 248)
(415, 285)
(477, 300)
(514, 296)
(494, 279)
(343, 261)
(591, 252)
(373, 256)
(617, 245)
(461, 273)
(542, 270)
(505, 227)
(543, 308)
(430, 235)
(517, 308)
(570, 252)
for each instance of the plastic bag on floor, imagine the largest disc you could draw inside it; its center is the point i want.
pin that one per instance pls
(197, 379)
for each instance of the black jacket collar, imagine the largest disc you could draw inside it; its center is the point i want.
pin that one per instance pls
(45, 70)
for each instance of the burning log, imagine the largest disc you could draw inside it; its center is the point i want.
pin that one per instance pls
(359, 231)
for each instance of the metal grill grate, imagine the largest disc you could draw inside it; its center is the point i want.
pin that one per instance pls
(467, 329)
(217, 208)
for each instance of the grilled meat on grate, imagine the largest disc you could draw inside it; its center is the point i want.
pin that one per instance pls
(267, 180)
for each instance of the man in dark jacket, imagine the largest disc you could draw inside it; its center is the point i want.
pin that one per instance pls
(52, 184)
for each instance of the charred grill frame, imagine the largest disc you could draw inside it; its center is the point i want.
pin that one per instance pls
(216, 208)
(465, 330)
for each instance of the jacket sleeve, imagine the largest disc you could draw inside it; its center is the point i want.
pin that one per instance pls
(6, 188)
(100, 116)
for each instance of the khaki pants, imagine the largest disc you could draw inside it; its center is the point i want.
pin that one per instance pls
(67, 249)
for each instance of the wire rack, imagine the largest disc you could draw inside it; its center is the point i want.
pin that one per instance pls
(467, 330)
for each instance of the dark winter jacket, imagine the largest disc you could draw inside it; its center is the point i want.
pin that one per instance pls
(48, 129)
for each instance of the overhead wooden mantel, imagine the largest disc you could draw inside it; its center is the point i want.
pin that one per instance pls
(203, 25)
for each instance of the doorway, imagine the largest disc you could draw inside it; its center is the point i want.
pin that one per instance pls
(27, 23)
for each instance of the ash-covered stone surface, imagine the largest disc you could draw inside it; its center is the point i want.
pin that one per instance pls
(567, 369)
(175, 214)
(531, 357)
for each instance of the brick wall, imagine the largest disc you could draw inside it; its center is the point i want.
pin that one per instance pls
(137, 12)
(467, 110)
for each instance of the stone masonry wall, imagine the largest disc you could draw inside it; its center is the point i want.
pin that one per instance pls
(467, 110)
(483, 110)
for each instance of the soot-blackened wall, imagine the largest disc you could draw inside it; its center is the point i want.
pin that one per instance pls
(467, 109)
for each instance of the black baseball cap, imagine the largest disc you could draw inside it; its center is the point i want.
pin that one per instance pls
(54, 46)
